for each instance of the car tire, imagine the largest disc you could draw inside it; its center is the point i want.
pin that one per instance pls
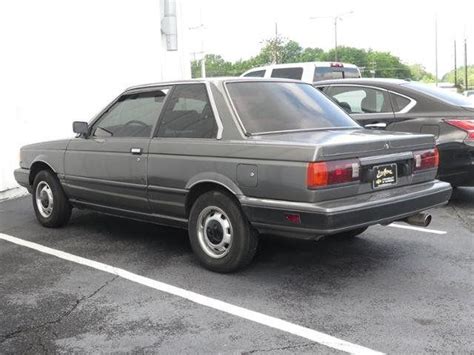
(350, 233)
(52, 208)
(220, 235)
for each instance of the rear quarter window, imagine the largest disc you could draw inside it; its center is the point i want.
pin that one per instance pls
(255, 74)
(288, 73)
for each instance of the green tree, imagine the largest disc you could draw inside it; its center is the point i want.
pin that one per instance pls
(311, 55)
(279, 50)
(387, 65)
(351, 55)
(419, 73)
(449, 77)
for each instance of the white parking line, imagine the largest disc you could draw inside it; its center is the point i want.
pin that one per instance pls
(419, 229)
(241, 312)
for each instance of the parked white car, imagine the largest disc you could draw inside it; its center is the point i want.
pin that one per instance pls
(309, 72)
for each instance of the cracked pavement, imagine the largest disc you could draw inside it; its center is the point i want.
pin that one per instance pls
(391, 290)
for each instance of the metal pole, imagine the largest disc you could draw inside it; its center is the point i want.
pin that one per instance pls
(455, 66)
(335, 38)
(203, 66)
(436, 50)
(466, 84)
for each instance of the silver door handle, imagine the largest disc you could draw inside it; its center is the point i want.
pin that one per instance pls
(136, 151)
(379, 125)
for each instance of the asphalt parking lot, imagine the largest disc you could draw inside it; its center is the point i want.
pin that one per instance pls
(392, 290)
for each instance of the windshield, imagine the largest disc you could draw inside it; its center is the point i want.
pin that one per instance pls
(281, 106)
(449, 97)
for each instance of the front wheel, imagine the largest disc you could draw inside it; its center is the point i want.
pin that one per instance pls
(51, 206)
(220, 235)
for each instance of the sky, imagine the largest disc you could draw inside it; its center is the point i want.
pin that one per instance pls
(236, 29)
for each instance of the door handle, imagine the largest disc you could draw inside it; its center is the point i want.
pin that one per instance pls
(377, 125)
(136, 151)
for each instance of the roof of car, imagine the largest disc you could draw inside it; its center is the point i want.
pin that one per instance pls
(302, 64)
(363, 81)
(210, 80)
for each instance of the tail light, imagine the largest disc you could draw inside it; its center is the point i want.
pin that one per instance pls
(425, 159)
(465, 125)
(322, 174)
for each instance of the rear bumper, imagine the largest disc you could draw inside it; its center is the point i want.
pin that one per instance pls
(328, 217)
(22, 177)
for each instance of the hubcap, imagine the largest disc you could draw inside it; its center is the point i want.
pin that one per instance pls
(44, 199)
(214, 232)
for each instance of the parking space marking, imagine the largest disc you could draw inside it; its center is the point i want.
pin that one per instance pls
(419, 229)
(257, 317)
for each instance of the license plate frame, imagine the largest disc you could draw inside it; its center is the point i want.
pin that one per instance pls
(385, 175)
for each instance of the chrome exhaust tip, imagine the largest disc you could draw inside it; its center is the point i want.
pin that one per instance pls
(421, 219)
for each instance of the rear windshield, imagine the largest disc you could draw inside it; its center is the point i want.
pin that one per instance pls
(327, 73)
(449, 97)
(278, 106)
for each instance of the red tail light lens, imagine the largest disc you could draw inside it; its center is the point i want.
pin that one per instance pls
(426, 159)
(322, 174)
(465, 125)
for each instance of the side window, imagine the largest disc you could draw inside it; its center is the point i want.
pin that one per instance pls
(132, 115)
(360, 100)
(288, 73)
(399, 102)
(256, 74)
(188, 114)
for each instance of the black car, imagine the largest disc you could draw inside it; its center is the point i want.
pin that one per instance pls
(406, 106)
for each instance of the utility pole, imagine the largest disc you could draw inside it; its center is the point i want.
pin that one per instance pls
(436, 50)
(466, 84)
(455, 66)
(335, 19)
(335, 38)
(201, 28)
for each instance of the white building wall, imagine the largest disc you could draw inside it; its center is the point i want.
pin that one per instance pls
(62, 61)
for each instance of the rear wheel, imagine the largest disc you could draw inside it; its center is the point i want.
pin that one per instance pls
(350, 233)
(220, 235)
(51, 206)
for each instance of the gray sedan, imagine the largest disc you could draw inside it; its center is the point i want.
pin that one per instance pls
(229, 159)
(405, 106)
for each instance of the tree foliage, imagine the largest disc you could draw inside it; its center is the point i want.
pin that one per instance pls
(280, 50)
(449, 77)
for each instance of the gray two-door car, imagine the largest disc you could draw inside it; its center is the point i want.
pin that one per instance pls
(229, 159)
(406, 106)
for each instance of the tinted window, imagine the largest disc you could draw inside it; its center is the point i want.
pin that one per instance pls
(188, 114)
(326, 73)
(354, 99)
(256, 74)
(288, 73)
(350, 73)
(132, 116)
(273, 106)
(444, 95)
(400, 102)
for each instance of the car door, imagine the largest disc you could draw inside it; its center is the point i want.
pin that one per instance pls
(369, 106)
(109, 167)
(187, 127)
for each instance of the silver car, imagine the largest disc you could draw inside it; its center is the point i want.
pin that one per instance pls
(229, 159)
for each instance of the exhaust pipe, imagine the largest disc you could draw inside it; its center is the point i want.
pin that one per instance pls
(421, 219)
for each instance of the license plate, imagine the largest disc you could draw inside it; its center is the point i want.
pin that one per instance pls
(385, 175)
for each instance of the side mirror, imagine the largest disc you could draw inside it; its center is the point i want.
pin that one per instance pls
(81, 128)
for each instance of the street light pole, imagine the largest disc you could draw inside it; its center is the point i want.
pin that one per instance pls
(335, 38)
(335, 19)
